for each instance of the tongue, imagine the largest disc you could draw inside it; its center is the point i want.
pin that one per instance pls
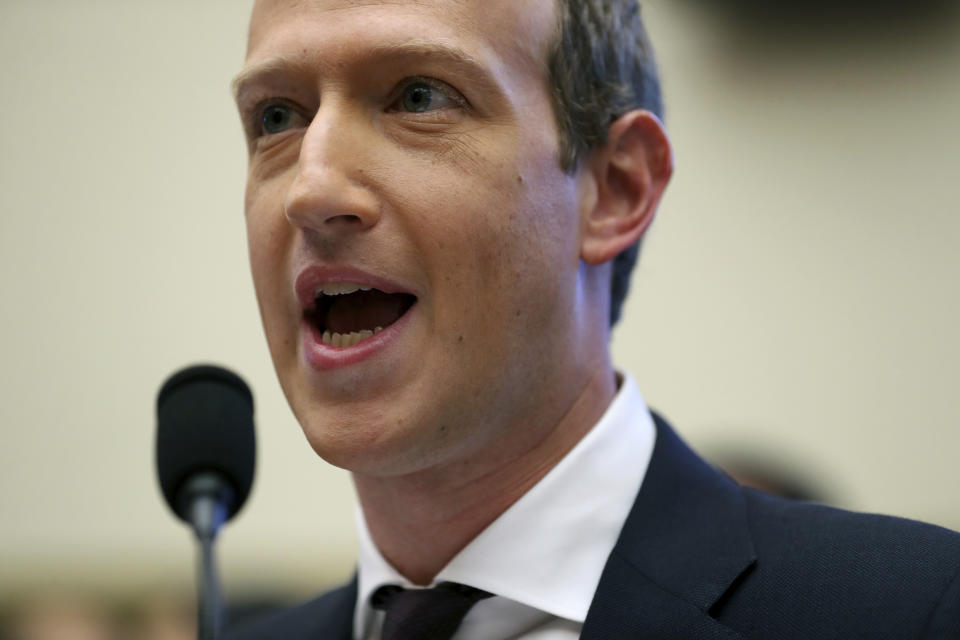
(365, 310)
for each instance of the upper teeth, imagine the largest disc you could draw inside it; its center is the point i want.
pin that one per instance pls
(339, 288)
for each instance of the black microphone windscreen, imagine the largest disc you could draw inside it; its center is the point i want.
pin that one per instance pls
(204, 424)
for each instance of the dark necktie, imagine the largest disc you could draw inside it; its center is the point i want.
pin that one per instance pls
(425, 614)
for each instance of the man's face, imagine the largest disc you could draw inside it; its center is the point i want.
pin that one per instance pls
(409, 147)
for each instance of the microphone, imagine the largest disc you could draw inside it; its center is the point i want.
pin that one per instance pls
(205, 462)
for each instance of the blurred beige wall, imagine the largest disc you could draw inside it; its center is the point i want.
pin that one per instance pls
(798, 291)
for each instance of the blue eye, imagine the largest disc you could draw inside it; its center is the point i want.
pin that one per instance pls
(417, 97)
(276, 118)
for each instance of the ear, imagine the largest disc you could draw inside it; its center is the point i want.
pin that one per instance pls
(631, 172)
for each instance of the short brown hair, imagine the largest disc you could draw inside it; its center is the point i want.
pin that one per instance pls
(601, 66)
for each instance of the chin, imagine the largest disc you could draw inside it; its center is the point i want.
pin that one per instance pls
(372, 448)
(356, 445)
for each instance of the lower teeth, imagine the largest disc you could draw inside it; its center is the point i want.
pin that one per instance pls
(344, 340)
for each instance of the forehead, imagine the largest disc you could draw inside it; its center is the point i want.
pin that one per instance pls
(518, 31)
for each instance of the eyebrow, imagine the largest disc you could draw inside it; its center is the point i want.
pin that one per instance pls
(251, 74)
(430, 49)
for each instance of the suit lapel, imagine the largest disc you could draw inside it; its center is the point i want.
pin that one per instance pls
(338, 611)
(329, 617)
(683, 545)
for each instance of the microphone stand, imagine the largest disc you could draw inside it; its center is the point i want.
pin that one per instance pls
(208, 497)
(209, 607)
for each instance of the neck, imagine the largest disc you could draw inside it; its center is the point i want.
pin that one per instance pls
(420, 521)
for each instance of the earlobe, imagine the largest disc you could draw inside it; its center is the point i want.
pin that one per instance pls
(631, 172)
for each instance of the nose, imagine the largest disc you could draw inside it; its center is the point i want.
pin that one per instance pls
(328, 194)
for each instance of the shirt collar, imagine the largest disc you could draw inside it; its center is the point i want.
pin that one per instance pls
(548, 549)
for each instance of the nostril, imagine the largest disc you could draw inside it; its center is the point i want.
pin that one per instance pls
(346, 218)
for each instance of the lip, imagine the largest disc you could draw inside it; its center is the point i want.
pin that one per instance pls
(312, 277)
(324, 357)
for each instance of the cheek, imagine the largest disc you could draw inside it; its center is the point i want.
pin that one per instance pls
(539, 252)
(267, 225)
(268, 242)
(506, 251)
(269, 177)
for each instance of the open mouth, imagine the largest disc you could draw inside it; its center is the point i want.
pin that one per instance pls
(344, 313)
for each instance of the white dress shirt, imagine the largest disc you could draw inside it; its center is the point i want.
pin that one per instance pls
(542, 558)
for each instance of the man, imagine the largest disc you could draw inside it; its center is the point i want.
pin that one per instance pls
(444, 202)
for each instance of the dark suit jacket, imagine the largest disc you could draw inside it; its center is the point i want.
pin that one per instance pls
(700, 557)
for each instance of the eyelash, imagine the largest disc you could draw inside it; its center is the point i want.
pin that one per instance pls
(255, 120)
(438, 85)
